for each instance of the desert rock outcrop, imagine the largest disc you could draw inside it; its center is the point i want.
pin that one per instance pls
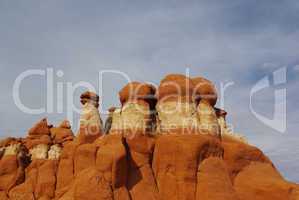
(90, 120)
(160, 144)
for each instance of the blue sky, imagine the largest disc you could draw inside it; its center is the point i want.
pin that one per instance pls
(225, 41)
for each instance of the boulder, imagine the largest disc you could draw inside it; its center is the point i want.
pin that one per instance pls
(135, 91)
(33, 141)
(40, 128)
(204, 89)
(65, 124)
(174, 85)
(38, 140)
(90, 97)
(62, 134)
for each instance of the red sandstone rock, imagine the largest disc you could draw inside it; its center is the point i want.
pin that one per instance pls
(174, 85)
(65, 124)
(3, 196)
(32, 141)
(238, 155)
(46, 180)
(88, 134)
(90, 184)
(40, 128)
(62, 134)
(176, 160)
(84, 157)
(90, 97)
(213, 181)
(204, 89)
(8, 172)
(260, 181)
(39, 134)
(111, 162)
(65, 172)
(134, 123)
(135, 91)
(26, 189)
(177, 164)
(123, 170)
(90, 120)
(40, 181)
(12, 165)
(141, 181)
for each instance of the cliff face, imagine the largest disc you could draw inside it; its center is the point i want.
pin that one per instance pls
(169, 143)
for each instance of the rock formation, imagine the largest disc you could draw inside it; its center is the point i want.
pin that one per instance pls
(161, 144)
(175, 107)
(181, 144)
(205, 96)
(90, 121)
(136, 126)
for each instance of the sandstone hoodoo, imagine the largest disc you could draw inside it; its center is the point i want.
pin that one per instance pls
(90, 120)
(160, 144)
